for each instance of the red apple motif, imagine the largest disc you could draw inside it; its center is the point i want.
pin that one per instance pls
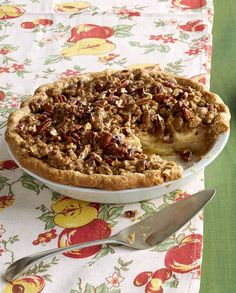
(6, 201)
(189, 4)
(142, 278)
(193, 26)
(45, 22)
(34, 284)
(8, 165)
(186, 256)
(84, 31)
(97, 229)
(163, 274)
(29, 25)
(2, 96)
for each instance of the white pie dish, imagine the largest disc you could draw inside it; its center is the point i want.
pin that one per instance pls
(137, 194)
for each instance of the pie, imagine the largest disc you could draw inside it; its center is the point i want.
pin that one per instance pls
(115, 129)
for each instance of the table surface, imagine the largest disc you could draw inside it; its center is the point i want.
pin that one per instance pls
(219, 261)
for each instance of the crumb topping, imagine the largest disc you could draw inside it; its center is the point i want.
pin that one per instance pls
(93, 125)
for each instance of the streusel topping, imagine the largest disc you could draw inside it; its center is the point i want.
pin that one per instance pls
(93, 125)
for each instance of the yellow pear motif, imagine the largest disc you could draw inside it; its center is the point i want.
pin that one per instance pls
(10, 11)
(70, 213)
(72, 7)
(90, 46)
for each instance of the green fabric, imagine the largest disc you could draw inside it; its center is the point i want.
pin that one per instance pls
(219, 259)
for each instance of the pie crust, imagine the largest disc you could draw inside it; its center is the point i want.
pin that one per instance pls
(111, 129)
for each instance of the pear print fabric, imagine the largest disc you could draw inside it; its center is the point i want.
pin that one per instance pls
(41, 41)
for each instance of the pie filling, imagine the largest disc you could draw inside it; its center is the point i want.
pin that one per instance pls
(119, 122)
(198, 141)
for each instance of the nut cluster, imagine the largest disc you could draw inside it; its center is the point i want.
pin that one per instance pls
(93, 125)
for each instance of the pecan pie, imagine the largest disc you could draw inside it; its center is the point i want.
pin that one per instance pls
(111, 129)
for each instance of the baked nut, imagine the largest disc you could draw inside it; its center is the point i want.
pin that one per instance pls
(110, 129)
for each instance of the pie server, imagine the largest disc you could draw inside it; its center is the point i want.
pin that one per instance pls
(142, 235)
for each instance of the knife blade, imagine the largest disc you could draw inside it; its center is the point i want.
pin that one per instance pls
(165, 222)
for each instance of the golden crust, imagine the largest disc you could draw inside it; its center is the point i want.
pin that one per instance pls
(110, 182)
(222, 121)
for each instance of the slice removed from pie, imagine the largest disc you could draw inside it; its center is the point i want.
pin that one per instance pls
(115, 129)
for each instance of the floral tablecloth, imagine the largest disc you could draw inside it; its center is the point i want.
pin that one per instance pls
(41, 41)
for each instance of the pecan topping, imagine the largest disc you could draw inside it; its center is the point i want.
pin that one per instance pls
(141, 166)
(187, 114)
(93, 125)
(60, 98)
(46, 123)
(130, 214)
(186, 155)
(105, 139)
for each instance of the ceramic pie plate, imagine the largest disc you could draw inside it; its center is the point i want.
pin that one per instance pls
(136, 194)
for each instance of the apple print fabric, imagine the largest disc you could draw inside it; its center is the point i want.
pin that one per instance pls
(41, 41)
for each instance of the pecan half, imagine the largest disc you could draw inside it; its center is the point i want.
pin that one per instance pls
(105, 139)
(60, 98)
(187, 113)
(130, 214)
(46, 123)
(186, 155)
(141, 166)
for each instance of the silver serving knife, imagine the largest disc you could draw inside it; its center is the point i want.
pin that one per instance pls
(142, 235)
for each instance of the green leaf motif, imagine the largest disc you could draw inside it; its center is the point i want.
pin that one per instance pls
(55, 196)
(13, 239)
(120, 261)
(40, 43)
(116, 269)
(47, 277)
(103, 213)
(103, 252)
(114, 290)
(128, 263)
(122, 30)
(123, 27)
(183, 35)
(53, 59)
(102, 288)
(89, 289)
(173, 283)
(42, 208)
(163, 49)
(3, 37)
(3, 124)
(134, 44)
(9, 47)
(3, 181)
(76, 67)
(180, 238)
(114, 212)
(165, 246)
(159, 23)
(170, 197)
(26, 176)
(20, 73)
(48, 219)
(39, 268)
(150, 49)
(148, 207)
(31, 185)
(122, 34)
